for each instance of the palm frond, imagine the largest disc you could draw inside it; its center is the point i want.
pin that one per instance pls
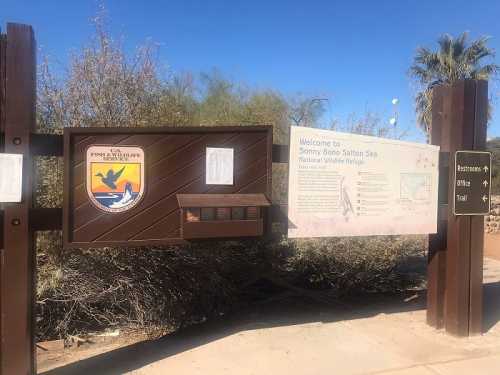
(423, 104)
(485, 71)
(477, 51)
(423, 75)
(455, 59)
(445, 41)
(459, 45)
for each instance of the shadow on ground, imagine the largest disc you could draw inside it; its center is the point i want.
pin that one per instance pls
(491, 311)
(278, 313)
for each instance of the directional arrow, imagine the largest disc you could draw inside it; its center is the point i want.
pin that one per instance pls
(472, 183)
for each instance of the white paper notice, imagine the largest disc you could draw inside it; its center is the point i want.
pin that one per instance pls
(11, 177)
(219, 166)
(343, 184)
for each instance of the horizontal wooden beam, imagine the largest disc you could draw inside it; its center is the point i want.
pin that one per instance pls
(51, 218)
(279, 213)
(443, 211)
(280, 153)
(47, 145)
(45, 219)
(444, 159)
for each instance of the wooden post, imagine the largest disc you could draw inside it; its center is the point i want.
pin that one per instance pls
(3, 46)
(436, 262)
(18, 263)
(477, 222)
(455, 270)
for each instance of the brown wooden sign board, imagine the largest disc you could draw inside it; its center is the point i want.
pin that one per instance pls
(149, 168)
(472, 183)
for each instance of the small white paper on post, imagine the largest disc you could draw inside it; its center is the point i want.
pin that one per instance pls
(11, 178)
(219, 166)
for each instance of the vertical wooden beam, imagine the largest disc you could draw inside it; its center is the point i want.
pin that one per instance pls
(436, 260)
(477, 222)
(18, 273)
(3, 45)
(457, 256)
(463, 297)
(455, 264)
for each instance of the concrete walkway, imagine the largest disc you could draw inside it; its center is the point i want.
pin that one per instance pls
(375, 335)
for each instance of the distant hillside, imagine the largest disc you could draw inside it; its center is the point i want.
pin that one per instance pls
(493, 146)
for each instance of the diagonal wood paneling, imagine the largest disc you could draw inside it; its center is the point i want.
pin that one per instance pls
(164, 206)
(175, 163)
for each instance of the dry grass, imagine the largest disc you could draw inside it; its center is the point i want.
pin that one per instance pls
(164, 289)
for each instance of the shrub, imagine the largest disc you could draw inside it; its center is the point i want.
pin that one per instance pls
(165, 289)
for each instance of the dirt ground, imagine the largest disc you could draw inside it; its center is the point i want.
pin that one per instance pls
(492, 246)
(370, 335)
(389, 332)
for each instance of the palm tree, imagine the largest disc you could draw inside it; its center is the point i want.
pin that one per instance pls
(456, 59)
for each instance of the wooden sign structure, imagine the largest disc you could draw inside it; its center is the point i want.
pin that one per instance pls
(172, 201)
(455, 263)
(151, 186)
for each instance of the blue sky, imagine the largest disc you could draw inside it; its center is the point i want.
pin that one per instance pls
(357, 53)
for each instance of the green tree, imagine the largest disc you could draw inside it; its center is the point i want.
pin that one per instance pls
(455, 59)
(222, 101)
(225, 102)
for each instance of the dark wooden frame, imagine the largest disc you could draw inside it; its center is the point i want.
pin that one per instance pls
(69, 132)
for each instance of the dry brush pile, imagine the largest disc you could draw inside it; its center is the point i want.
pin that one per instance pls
(165, 289)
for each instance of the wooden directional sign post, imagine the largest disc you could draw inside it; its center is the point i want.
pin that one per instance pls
(472, 183)
(455, 264)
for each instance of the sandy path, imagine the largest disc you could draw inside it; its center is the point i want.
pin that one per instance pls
(492, 246)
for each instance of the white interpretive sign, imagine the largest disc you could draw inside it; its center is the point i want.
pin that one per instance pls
(344, 184)
(11, 178)
(219, 166)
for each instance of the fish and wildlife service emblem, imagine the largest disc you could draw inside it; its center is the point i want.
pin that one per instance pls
(115, 177)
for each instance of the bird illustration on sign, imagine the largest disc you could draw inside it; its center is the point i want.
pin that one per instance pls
(111, 177)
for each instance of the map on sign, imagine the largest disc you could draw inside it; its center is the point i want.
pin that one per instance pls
(416, 186)
(351, 185)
